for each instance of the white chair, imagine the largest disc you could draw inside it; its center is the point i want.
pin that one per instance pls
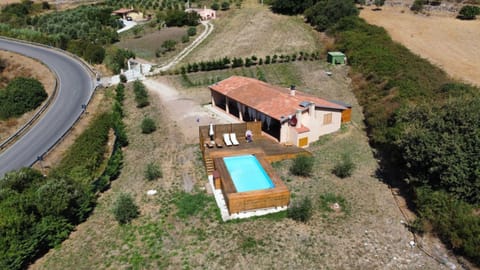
(226, 139)
(233, 138)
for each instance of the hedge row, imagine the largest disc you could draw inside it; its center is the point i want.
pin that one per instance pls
(141, 94)
(227, 62)
(39, 212)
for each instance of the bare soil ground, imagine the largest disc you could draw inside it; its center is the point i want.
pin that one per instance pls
(21, 66)
(447, 42)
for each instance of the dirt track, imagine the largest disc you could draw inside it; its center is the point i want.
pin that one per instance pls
(447, 42)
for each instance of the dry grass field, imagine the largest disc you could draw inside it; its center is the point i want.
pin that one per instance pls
(447, 42)
(146, 45)
(366, 233)
(254, 30)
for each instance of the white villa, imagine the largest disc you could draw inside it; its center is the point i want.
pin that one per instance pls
(288, 115)
(205, 13)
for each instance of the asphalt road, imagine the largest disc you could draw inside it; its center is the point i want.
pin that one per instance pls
(75, 88)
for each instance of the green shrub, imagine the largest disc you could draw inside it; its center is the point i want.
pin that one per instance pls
(185, 39)
(169, 45)
(141, 94)
(225, 5)
(300, 210)
(20, 96)
(324, 14)
(116, 58)
(453, 220)
(125, 209)
(123, 78)
(417, 5)
(302, 165)
(344, 168)
(148, 125)
(215, 6)
(153, 171)
(192, 31)
(468, 12)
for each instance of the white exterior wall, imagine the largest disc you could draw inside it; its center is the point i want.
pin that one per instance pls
(317, 128)
(288, 134)
(284, 132)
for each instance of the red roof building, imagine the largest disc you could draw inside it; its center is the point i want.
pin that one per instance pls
(288, 115)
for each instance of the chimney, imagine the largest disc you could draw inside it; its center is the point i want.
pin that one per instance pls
(292, 90)
(311, 110)
(298, 115)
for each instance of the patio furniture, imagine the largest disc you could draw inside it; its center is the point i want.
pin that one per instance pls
(233, 138)
(226, 139)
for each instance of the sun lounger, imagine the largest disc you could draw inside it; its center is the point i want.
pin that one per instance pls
(233, 138)
(209, 143)
(218, 142)
(226, 139)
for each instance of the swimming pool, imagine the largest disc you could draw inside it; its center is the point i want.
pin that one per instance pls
(247, 173)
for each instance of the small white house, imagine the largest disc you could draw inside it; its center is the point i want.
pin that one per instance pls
(205, 13)
(288, 115)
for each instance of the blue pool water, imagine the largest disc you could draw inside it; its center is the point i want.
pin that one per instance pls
(247, 173)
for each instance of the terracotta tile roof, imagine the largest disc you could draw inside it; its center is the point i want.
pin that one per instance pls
(271, 100)
(302, 129)
(122, 11)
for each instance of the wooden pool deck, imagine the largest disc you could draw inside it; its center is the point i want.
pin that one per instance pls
(272, 150)
(266, 149)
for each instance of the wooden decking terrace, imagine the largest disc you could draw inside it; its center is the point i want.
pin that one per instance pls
(273, 150)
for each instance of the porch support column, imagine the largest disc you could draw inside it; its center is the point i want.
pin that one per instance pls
(213, 99)
(227, 109)
(240, 114)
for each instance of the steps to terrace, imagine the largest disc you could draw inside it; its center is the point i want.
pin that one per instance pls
(209, 165)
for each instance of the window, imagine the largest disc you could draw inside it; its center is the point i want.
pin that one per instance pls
(327, 118)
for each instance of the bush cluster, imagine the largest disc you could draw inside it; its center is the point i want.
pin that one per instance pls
(425, 126)
(125, 209)
(468, 12)
(300, 210)
(116, 59)
(38, 213)
(20, 96)
(302, 165)
(141, 94)
(153, 171)
(148, 125)
(344, 168)
(452, 219)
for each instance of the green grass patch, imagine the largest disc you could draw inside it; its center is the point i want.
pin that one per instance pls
(328, 201)
(284, 74)
(198, 204)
